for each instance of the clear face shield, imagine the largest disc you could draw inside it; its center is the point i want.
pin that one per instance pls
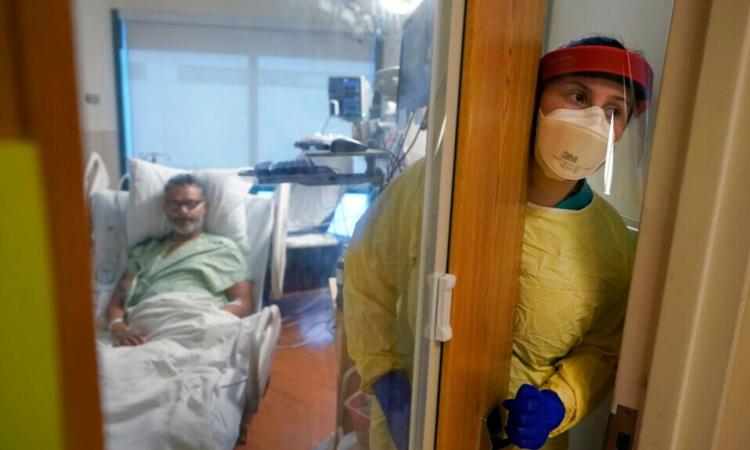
(594, 119)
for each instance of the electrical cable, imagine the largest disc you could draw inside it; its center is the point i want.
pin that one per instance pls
(398, 163)
(325, 124)
(397, 148)
(411, 145)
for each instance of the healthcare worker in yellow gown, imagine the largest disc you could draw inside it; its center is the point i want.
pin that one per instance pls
(576, 260)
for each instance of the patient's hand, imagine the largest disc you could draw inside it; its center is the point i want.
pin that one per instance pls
(122, 334)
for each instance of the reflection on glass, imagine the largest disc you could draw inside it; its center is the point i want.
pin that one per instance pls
(210, 280)
(382, 265)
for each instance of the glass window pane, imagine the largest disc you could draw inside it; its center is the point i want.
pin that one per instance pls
(184, 103)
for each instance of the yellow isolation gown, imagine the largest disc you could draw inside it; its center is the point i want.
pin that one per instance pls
(575, 270)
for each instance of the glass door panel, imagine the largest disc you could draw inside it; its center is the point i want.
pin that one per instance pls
(275, 135)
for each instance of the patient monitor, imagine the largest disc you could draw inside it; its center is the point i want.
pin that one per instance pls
(349, 97)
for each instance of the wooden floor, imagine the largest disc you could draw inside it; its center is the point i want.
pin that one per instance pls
(299, 408)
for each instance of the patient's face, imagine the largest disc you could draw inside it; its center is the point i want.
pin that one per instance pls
(185, 208)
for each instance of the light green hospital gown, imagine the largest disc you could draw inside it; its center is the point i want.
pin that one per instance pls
(207, 264)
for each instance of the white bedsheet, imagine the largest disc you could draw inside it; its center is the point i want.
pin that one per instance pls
(167, 393)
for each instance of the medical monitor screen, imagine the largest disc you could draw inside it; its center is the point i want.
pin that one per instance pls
(416, 59)
(347, 93)
(348, 212)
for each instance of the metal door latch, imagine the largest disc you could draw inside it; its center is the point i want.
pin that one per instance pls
(493, 422)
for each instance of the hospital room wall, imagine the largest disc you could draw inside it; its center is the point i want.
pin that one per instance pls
(94, 51)
(698, 396)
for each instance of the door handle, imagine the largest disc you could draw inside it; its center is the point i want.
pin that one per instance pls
(493, 426)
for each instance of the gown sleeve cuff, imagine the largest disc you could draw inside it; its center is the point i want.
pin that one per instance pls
(566, 395)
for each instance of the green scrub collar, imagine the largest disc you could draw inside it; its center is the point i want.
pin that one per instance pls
(579, 199)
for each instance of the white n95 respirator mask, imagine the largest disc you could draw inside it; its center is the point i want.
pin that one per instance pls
(572, 143)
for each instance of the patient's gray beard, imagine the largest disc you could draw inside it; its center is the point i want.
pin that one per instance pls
(189, 228)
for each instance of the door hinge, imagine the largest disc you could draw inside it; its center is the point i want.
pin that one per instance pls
(442, 288)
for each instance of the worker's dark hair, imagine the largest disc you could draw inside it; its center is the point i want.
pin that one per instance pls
(596, 39)
(183, 180)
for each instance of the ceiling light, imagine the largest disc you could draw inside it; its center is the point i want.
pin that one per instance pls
(400, 6)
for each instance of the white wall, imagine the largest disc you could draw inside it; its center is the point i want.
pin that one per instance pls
(94, 38)
(642, 25)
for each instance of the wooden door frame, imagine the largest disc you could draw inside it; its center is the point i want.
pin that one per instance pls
(38, 70)
(502, 45)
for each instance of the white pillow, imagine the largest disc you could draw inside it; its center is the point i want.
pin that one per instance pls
(225, 195)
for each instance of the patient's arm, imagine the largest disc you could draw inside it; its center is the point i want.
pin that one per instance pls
(241, 291)
(122, 334)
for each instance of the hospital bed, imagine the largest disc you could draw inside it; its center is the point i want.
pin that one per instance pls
(235, 401)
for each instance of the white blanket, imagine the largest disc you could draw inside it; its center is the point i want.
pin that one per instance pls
(162, 394)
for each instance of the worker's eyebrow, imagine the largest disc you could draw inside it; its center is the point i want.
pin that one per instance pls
(618, 98)
(584, 87)
(578, 84)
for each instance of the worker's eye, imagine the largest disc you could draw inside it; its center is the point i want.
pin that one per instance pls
(618, 110)
(612, 111)
(577, 98)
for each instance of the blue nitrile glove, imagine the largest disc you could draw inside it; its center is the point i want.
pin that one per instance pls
(394, 396)
(532, 415)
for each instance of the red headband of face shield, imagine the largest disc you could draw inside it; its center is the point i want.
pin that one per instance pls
(602, 59)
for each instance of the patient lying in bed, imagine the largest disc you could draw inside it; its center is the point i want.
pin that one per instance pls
(186, 260)
(173, 375)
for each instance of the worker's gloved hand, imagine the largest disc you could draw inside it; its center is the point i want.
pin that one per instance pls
(394, 396)
(532, 415)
